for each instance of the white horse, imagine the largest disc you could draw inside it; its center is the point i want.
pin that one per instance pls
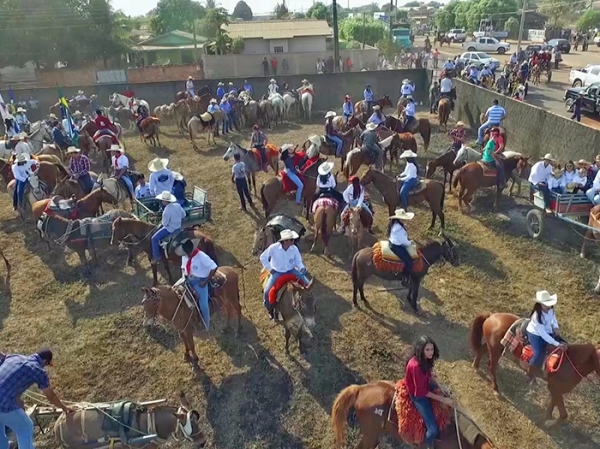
(307, 100)
(278, 106)
(288, 102)
(36, 141)
(121, 100)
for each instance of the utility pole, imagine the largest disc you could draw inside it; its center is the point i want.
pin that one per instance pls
(195, 43)
(364, 29)
(521, 25)
(391, 23)
(336, 42)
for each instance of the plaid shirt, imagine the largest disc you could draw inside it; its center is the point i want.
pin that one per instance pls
(79, 165)
(458, 134)
(17, 374)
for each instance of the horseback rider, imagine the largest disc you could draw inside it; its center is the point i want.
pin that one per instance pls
(520, 93)
(248, 88)
(22, 146)
(120, 166)
(407, 89)
(142, 113)
(485, 74)
(80, 96)
(189, 87)
(398, 240)
(354, 196)
(495, 114)
(197, 268)
(106, 127)
(459, 135)
(326, 184)
(213, 106)
(232, 88)
(524, 71)
(79, 168)
(172, 217)
(10, 126)
(542, 331)
(272, 88)
(369, 98)
(347, 108)
(502, 83)
(492, 158)
(409, 178)
(332, 134)
(258, 140)
(179, 186)
(59, 137)
(449, 67)
(220, 90)
(446, 90)
(287, 157)
(21, 170)
(377, 117)
(409, 113)
(161, 178)
(370, 143)
(283, 257)
(473, 74)
(22, 120)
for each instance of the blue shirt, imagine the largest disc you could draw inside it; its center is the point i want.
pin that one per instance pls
(368, 93)
(410, 109)
(376, 119)
(220, 92)
(179, 189)
(348, 108)
(212, 108)
(248, 87)
(225, 107)
(17, 374)
(495, 114)
(233, 90)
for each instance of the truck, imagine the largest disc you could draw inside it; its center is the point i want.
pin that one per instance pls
(487, 44)
(401, 35)
(486, 29)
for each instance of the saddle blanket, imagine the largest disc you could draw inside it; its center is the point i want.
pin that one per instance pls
(270, 151)
(324, 202)
(488, 170)
(287, 184)
(102, 133)
(280, 283)
(385, 260)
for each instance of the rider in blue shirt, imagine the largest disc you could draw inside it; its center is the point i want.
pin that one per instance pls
(369, 98)
(377, 117)
(473, 74)
(287, 156)
(347, 108)
(226, 108)
(248, 88)
(232, 89)
(220, 90)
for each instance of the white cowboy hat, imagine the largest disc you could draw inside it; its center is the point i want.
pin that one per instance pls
(288, 147)
(77, 113)
(583, 162)
(314, 139)
(304, 81)
(166, 196)
(376, 107)
(330, 114)
(22, 136)
(230, 83)
(158, 164)
(325, 168)
(401, 214)
(22, 157)
(177, 176)
(548, 157)
(288, 234)
(72, 149)
(115, 147)
(190, 77)
(271, 80)
(213, 100)
(460, 123)
(406, 81)
(179, 250)
(20, 109)
(51, 115)
(545, 298)
(371, 126)
(79, 92)
(220, 83)
(408, 153)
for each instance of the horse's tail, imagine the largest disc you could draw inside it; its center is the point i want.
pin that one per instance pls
(263, 200)
(476, 338)
(346, 169)
(426, 133)
(339, 413)
(324, 235)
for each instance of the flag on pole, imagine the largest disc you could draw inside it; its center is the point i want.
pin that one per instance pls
(64, 112)
(3, 110)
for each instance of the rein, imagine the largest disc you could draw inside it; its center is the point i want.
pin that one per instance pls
(124, 242)
(563, 354)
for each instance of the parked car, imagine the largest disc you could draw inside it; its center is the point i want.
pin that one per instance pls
(591, 97)
(457, 35)
(536, 47)
(478, 58)
(590, 74)
(563, 45)
(487, 44)
(597, 40)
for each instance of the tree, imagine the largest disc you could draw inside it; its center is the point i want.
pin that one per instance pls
(412, 5)
(299, 15)
(389, 48)
(171, 15)
(242, 11)
(512, 26)
(445, 19)
(319, 11)
(589, 20)
(237, 45)
(211, 26)
(281, 11)
(435, 4)
(559, 12)
(353, 29)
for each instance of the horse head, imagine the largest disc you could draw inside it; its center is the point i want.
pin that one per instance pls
(305, 302)
(354, 221)
(386, 102)
(232, 150)
(460, 155)
(188, 423)
(263, 237)
(449, 252)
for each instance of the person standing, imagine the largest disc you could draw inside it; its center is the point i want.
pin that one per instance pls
(576, 107)
(220, 90)
(368, 95)
(434, 93)
(274, 66)
(238, 177)
(21, 170)
(265, 65)
(79, 167)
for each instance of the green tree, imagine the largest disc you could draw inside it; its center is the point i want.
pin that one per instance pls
(412, 5)
(211, 26)
(560, 12)
(237, 45)
(171, 15)
(281, 11)
(353, 29)
(512, 26)
(319, 11)
(389, 48)
(299, 15)
(445, 19)
(589, 20)
(242, 11)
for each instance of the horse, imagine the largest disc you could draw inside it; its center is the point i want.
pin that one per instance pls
(446, 162)
(324, 216)
(88, 206)
(197, 124)
(6, 166)
(329, 149)
(278, 107)
(268, 234)
(356, 228)
(390, 142)
(375, 409)
(115, 188)
(420, 126)
(433, 193)
(536, 74)
(149, 130)
(121, 100)
(138, 233)
(363, 267)
(488, 330)
(181, 111)
(104, 143)
(306, 100)
(444, 108)
(383, 102)
(171, 305)
(272, 189)
(265, 113)
(86, 426)
(288, 103)
(253, 161)
(472, 177)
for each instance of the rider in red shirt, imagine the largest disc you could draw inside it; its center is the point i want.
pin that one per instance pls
(105, 127)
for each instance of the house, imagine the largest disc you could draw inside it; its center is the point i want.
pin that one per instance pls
(175, 47)
(281, 36)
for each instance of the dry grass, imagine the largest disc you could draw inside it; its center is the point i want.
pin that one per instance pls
(251, 395)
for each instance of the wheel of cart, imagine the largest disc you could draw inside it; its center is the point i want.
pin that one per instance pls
(570, 208)
(197, 208)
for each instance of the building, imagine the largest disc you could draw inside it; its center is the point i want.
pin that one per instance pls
(175, 47)
(281, 36)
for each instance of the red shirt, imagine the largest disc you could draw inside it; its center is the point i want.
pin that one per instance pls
(417, 382)
(499, 144)
(274, 62)
(103, 122)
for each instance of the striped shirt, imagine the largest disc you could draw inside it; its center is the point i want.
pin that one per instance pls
(495, 114)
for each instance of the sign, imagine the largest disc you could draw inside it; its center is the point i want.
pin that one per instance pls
(536, 35)
(111, 77)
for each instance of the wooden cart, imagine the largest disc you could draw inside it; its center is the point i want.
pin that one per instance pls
(197, 208)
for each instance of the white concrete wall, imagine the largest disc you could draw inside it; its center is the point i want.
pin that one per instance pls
(307, 44)
(256, 47)
(278, 43)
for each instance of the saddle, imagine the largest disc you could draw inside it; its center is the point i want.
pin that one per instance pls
(186, 291)
(287, 184)
(58, 206)
(90, 229)
(278, 288)
(173, 241)
(146, 121)
(488, 169)
(270, 151)
(324, 200)
(207, 118)
(385, 260)
(281, 222)
(104, 132)
(418, 188)
(122, 418)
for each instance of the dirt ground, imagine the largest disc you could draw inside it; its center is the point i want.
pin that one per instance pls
(251, 395)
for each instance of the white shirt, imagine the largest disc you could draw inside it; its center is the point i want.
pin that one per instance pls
(189, 85)
(23, 147)
(398, 235)
(407, 89)
(121, 162)
(539, 173)
(596, 184)
(410, 172)
(143, 191)
(330, 184)
(173, 215)
(201, 265)
(349, 195)
(273, 88)
(573, 178)
(545, 330)
(410, 109)
(22, 172)
(553, 182)
(280, 260)
(445, 85)
(80, 97)
(161, 181)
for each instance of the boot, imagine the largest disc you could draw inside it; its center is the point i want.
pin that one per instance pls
(533, 373)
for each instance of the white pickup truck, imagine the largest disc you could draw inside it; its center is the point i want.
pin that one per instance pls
(457, 35)
(590, 74)
(487, 44)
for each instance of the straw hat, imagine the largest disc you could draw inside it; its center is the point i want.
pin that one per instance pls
(158, 164)
(190, 77)
(460, 123)
(377, 108)
(79, 92)
(288, 234)
(325, 168)
(304, 81)
(52, 116)
(371, 126)
(408, 153)
(115, 147)
(598, 158)
(72, 150)
(330, 114)
(179, 250)
(314, 139)
(549, 157)
(22, 157)
(401, 214)
(166, 196)
(406, 81)
(545, 298)
(583, 162)
(230, 83)
(20, 109)
(557, 172)
(177, 176)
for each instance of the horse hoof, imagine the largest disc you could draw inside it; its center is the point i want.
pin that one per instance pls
(551, 423)
(497, 394)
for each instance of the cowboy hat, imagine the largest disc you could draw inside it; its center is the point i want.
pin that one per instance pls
(213, 100)
(401, 214)
(271, 80)
(166, 196)
(158, 164)
(304, 81)
(220, 83)
(79, 92)
(408, 153)
(598, 158)
(20, 109)
(557, 172)
(77, 113)
(460, 123)
(179, 250)
(330, 114)
(288, 147)
(314, 139)
(51, 115)
(583, 162)
(325, 168)
(371, 126)
(548, 157)
(406, 81)
(177, 176)
(230, 83)
(288, 234)
(22, 157)
(115, 147)
(72, 149)
(376, 107)
(190, 77)
(545, 298)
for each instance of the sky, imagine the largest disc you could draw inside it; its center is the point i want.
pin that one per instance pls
(141, 7)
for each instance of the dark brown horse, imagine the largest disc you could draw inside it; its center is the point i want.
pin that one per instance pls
(472, 177)
(6, 167)
(88, 206)
(138, 233)
(420, 126)
(446, 162)
(376, 413)
(433, 252)
(150, 131)
(433, 194)
(579, 360)
(444, 108)
(348, 137)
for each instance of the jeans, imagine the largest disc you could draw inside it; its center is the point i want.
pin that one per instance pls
(21, 425)
(225, 125)
(202, 293)
(156, 238)
(128, 183)
(339, 144)
(576, 115)
(544, 189)
(403, 255)
(263, 153)
(407, 186)
(19, 194)
(191, 93)
(299, 186)
(538, 344)
(232, 120)
(86, 183)
(274, 276)
(242, 189)
(378, 155)
(593, 196)
(423, 406)
(482, 128)
(559, 190)
(346, 118)
(354, 203)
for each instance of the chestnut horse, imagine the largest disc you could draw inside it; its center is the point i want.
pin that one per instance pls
(444, 108)
(88, 206)
(363, 268)
(471, 178)
(446, 162)
(433, 194)
(419, 126)
(593, 222)
(579, 361)
(376, 413)
(383, 102)
(134, 232)
(324, 225)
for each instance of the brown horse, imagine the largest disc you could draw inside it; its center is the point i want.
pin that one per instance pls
(593, 222)
(150, 131)
(356, 228)
(138, 233)
(88, 206)
(444, 108)
(383, 102)
(420, 126)
(6, 167)
(104, 143)
(434, 194)
(446, 162)
(374, 407)
(348, 137)
(272, 190)
(325, 217)
(53, 150)
(363, 268)
(472, 177)
(579, 360)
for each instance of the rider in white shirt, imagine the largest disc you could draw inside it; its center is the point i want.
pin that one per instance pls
(538, 178)
(161, 178)
(273, 88)
(407, 89)
(80, 96)
(399, 241)
(189, 87)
